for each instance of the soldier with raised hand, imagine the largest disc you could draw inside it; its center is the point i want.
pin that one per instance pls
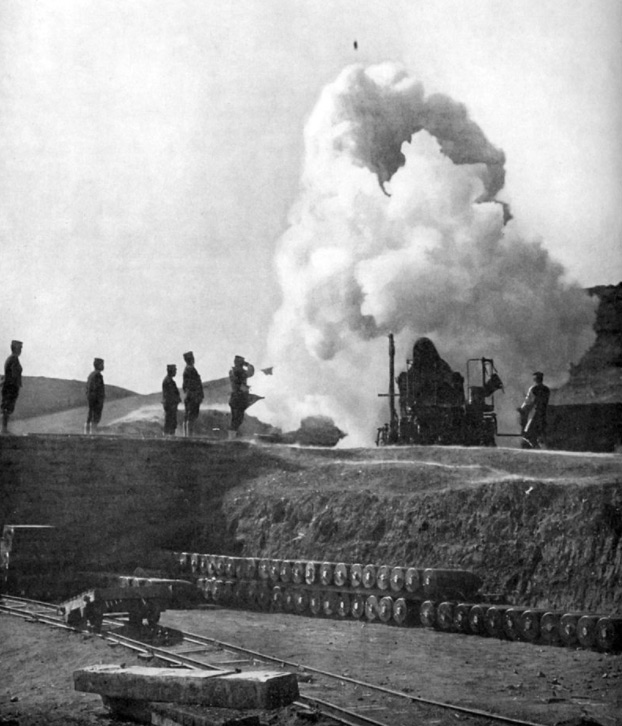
(239, 400)
(95, 395)
(11, 383)
(193, 394)
(170, 400)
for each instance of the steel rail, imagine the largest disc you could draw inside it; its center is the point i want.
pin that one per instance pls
(179, 659)
(194, 638)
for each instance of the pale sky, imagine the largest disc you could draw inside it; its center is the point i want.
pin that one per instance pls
(150, 152)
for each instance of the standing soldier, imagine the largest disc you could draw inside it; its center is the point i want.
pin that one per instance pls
(11, 384)
(533, 413)
(193, 394)
(239, 400)
(170, 400)
(95, 395)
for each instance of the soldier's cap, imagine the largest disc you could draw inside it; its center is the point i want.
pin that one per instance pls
(16, 342)
(170, 366)
(98, 361)
(538, 374)
(189, 354)
(239, 357)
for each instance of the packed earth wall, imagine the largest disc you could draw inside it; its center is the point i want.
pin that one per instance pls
(544, 528)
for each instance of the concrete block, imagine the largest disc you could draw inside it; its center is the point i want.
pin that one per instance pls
(250, 689)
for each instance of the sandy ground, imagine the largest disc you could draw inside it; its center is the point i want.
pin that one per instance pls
(546, 685)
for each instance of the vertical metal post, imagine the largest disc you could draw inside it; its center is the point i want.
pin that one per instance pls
(393, 427)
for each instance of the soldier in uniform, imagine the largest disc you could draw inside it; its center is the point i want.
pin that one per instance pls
(170, 400)
(239, 399)
(193, 394)
(533, 413)
(11, 383)
(95, 395)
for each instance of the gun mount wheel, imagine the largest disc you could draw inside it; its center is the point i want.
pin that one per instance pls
(289, 600)
(402, 612)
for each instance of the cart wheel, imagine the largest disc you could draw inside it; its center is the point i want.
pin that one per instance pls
(153, 614)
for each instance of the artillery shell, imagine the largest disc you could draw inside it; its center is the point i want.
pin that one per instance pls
(427, 614)
(343, 604)
(586, 630)
(357, 606)
(549, 627)
(194, 562)
(326, 573)
(369, 576)
(264, 596)
(398, 578)
(263, 569)
(312, 573)
(494, 621)
(329, 603)
(568, 628)
(341, 574)
(371, 608)
(240, 567)
(315, 603)
(274, 570)
(286, 571)
(477, 619)
(385, 609)
(445, 616)
(461, 617)
(609, 634)
(529, 624)
(301, 601)
(219, 566)
(511, 623)
(356, 575)
(298, 572)
(277, 599)
(405, 612)
(250, 568)
(289, 601)
(383, 577)
(412, 580)
(230, 567)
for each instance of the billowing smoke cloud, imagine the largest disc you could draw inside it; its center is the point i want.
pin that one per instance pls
(435, 258)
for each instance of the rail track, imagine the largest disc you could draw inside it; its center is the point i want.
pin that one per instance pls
(343, 699)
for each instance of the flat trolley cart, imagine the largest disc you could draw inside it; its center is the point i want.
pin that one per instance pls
(89, 607)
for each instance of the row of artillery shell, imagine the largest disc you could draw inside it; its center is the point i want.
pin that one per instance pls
(409, 581)
(573, 629)
(255, 594)
(501, 621)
